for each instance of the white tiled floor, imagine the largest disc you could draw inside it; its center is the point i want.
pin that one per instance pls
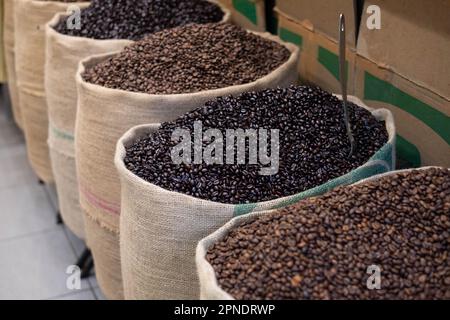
(34, 251)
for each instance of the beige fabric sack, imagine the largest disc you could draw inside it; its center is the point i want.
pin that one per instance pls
(159, 229)
(209, 287)
(30, 19)
(9, 51)
(104, 115)
(63, 53)
(2, 48)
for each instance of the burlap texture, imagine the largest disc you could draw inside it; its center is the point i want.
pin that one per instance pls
(31, 17)
(159, 229)
(67, 188)
(103, 115)
(35, 122)
(63, 53)
(104, 248)
(2, 48)
(209, 287)
(10, 64)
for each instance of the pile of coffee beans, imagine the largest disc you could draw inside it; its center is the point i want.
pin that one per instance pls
(313, 145)
(190, 59)
(131, 19)
(335, 246)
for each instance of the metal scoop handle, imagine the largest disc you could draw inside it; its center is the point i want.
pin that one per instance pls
(343, 80)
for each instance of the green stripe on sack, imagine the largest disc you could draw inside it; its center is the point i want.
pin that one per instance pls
(330, 61)
(385, 154)
(242, 209)
(62, 135)
(380, 162)
(370, 171)
(347, 179)
(380, 90)
(289, 36)
(407, 152)
(246, 8)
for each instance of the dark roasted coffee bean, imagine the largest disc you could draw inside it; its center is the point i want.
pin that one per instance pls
(190, 59)
(131, 19)
(321, 248)
(312, 138)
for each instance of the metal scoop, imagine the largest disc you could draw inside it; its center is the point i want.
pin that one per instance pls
(343, 79)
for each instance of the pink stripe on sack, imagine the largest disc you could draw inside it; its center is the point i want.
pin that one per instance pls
(97, 202)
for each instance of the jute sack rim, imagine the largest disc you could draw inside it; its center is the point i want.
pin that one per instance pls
(49, 27)
(205, 270)
(141, 130)
(50, 31)
(140, 96)
(42, 4)
(55, 39)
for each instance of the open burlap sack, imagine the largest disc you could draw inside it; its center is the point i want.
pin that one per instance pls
(31, 16)
(209, 287)
(2, 51)
(159, 229)
(104, 115)
(9, 51)
(30, 19)
(63, 53)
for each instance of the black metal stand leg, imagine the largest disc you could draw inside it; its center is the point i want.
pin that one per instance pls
(86, 271)
(59, 219)
(86, 263)
(83, 258)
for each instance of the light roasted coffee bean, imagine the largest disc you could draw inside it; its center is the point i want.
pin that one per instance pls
(190, 59)
(385, 239)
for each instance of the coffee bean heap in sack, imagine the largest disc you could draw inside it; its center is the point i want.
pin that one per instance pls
(332, 247)
(190, 59)
(313, 145)
(131, 19)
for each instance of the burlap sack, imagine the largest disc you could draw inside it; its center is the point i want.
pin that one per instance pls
(67, 189)
(2, 47)
(63, 53)
(209, 287)
(30, 19)
(9, 51)
(105, 114)
(159, 229)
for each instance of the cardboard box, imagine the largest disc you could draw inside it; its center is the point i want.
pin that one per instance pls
(249, 14)
(404, 67)
(414, 41)
(423, 128)
(322, 16)
(319, 54)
